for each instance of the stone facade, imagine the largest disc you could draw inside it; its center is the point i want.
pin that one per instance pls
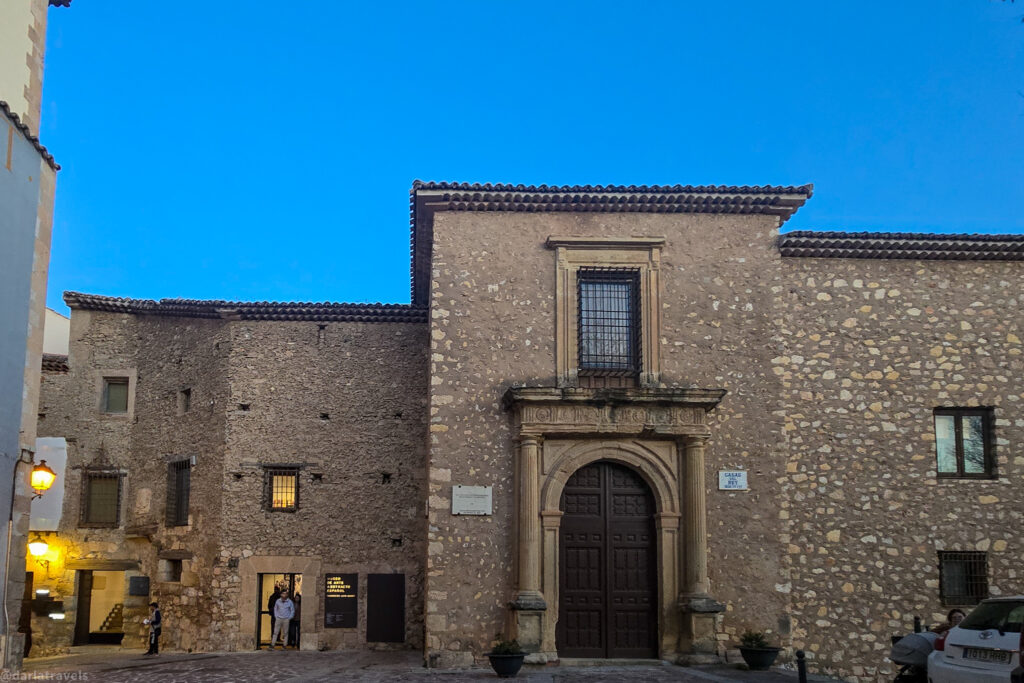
(344, 402)
(815, 375)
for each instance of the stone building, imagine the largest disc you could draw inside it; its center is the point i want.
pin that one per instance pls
(613, 422)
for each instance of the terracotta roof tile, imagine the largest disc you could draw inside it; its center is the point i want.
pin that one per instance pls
(902, 245)
(55, 362)
(16, 120)
(250, 310)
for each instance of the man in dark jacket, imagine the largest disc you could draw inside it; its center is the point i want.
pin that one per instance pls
(155, 622)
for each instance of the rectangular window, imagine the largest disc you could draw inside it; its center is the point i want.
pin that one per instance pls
(609, 325)
(101, 499)
(964, 443)
(282, 489)
(179, 484)
(115, 394)
(170, 570)
(963, 577)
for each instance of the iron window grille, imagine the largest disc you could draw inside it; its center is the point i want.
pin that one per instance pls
(963, 577)
(179, 488)
(281, 489)
(609, 321)
(115, 395)
(964, 443)
(101, 499)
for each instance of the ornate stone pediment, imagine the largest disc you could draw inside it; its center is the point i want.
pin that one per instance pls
(641, 411)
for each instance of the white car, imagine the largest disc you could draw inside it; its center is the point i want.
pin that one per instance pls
(984, 648)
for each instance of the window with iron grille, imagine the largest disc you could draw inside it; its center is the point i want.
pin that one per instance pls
(963, 577)
(964, 443)
(115, 394)
(609, 322)
(101, 499)
(281, 486)
(179, 484)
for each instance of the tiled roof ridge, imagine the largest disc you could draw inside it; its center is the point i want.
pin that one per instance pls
(23, 127)
(939, 236)
(250, 310)
(902, 245)
(807, 189)
(55, 362)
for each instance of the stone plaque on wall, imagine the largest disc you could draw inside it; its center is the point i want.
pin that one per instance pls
(471, 500)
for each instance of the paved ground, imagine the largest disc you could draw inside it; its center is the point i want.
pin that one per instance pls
(116, 665)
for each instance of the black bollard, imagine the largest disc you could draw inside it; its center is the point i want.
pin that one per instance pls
(917, 624)
(801, 666)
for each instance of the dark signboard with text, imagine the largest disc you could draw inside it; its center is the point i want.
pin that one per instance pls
(341, 608)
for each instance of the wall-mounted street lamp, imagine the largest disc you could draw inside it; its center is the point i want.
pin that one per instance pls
(42, 478)
(37, 547)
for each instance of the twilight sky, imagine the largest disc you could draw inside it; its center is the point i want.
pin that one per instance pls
(253, 151)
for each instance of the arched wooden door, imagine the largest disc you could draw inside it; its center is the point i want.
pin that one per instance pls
(607, 582)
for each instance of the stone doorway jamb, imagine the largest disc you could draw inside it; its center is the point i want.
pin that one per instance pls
(610, 424)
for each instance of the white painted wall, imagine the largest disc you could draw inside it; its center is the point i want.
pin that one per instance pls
(56, 333)
(15, 46)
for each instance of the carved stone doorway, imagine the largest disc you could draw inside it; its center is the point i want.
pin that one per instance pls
(607, 565)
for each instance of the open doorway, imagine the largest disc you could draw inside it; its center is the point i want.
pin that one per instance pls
(100, 615)
(269, 586)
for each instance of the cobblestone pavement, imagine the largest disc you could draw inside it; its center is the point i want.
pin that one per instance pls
(117, 665)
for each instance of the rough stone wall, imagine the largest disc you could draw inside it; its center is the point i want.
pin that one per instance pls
(869, 349)
(492, 326)
(347, 402)
(163, 356)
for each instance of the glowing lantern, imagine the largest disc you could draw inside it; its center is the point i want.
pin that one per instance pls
(37, 547)
(42, 477)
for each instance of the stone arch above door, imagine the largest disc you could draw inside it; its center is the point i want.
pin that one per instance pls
(653, 464)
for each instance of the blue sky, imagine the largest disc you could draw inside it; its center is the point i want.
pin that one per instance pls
(254, 151)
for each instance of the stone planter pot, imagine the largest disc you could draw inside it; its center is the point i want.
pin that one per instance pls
(759, 658)
(506, 666)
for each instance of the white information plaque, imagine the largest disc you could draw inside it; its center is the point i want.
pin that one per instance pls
(471, 500)
(732, 480)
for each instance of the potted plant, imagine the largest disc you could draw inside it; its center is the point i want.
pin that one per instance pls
(506, 657)
(756, 651)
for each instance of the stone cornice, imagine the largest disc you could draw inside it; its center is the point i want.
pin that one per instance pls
(707, 398)
(672, 413)
(555, 241)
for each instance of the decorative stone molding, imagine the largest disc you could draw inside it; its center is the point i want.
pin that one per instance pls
(625, 412)
(660, 434)
(642, 254)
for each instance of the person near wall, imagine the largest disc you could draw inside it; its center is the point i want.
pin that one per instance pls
(271, 601)
(954, 617)
(284, 610)
(293, 626)
(155, 622)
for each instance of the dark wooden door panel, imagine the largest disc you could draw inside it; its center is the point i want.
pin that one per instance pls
(385, 608)
(607, 584)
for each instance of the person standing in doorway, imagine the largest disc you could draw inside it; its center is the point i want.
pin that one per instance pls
(284, 610)
(293, 628)
(155, 622)
(271, 601)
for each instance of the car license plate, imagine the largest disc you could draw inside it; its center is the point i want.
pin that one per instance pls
(979, 655)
